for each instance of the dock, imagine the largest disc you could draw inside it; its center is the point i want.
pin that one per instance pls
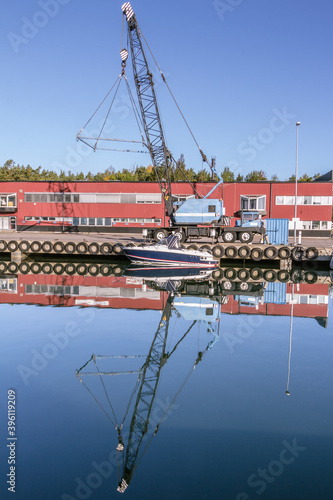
(19, 249)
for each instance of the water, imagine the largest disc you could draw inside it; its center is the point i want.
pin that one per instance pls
(214, 389)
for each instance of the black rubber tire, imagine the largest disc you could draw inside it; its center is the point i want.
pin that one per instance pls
(243, 274)
(284, 253)
(218, 251)
(244, 252)
(159, 234)
(181, 236)
(12, 245)
(47, 246)
(117, 249)
(93, 269)
(93, 248)
(81, 269)
(231, 252)
(82, 248)
(245, 236)
(24, 268)
(311, 253)
(58, 268)
(193, 247)
(70, 247)
(297, 276)
(217, 274)
(24, 246)
(257, 254)
(106, 270)
(311, 277)
(35, 247)
(3, 267)
(256, 273)
(117, 271)
(228, 236)
(58, 247)
(283, 276)
(3, 245)
(228, 285)
(271, 252)
(47, 268)
(230, 273)
(270, 275)
(106, 249)
(206, 248)
(35, 268)
(70, 269)
(12, 267)
(297, 253)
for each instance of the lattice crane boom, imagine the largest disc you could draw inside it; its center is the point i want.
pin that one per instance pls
(160, 155)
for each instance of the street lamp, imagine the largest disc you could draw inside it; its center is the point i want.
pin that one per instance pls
(296, 173)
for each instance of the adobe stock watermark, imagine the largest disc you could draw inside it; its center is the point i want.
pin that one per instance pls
(277, 124)
(260, 479)
(225, 7)
(30, 27)
(99, 472)
(57, 343)
(255, 144)
(246, 326)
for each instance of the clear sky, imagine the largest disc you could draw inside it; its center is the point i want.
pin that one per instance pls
(243, 71)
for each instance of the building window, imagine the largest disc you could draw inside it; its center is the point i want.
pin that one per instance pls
(125, 198)
(314, 225)
(7, 200)
(252, 202)
(303, 200)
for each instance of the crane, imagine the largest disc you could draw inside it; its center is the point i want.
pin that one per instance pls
(197, 216)
(160, 155)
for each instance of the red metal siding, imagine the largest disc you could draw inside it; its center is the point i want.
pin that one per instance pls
(230, 192)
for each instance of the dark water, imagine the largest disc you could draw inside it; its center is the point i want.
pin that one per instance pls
(214, 390)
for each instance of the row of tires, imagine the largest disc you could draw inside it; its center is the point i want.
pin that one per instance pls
(230, 274)
(257, 253)
(59, 247)
(269, 275)
(219, 251)
(58, 268)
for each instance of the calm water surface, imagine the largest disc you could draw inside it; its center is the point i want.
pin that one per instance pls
(195, 395)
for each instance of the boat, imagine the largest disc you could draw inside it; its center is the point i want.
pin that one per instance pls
(168, 251)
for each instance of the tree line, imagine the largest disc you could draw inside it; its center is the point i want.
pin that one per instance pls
(11, 171)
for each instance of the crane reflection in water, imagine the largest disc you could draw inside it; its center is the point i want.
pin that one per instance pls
(197, 310)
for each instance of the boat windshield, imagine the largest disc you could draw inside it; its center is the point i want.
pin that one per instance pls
(172, 241)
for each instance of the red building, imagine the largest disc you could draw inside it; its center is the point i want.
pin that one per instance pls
(129, 206)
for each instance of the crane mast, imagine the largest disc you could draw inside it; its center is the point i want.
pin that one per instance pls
(159, 153)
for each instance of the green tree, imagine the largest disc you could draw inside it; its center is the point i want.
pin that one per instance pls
(305, 178)
(255, 176)
(228, 175)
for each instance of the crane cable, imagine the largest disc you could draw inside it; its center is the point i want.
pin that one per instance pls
(204, 157)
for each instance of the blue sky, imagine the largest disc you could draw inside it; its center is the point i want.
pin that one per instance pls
(242, 71)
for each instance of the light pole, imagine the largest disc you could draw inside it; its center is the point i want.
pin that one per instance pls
(296, 173)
